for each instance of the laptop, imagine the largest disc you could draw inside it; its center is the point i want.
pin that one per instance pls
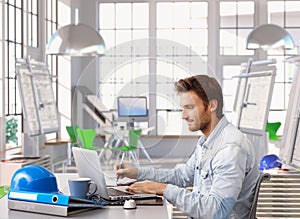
(88, 165)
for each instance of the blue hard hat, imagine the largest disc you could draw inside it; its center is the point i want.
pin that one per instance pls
(34, 178)
(269, 162)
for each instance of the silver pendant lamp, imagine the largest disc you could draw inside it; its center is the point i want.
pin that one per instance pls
(76, 40)
(269, 36)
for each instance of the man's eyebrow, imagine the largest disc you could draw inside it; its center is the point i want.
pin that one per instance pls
(187, 105)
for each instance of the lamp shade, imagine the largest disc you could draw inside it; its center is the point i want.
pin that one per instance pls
(269, 36)
(76, 40)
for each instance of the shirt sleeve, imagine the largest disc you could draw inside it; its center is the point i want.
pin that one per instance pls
(223, 184)
(181, 176)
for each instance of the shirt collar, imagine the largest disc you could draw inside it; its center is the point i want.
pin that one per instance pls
(201, 141)
(205, 142)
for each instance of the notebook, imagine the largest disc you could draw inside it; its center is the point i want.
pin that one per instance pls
(88, 165)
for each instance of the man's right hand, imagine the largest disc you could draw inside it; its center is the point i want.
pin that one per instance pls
(126, 171)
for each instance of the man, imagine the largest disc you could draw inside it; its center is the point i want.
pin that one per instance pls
(222, 170)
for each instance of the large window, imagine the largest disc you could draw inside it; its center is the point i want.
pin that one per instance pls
(285, 14)
(32, 12)
(240, 15)
(14, 48)
(183, 32)
(183, 27)
(58, 14)
(150, 45)
(51, 26)
(236, 21)
(122, 71)
(22, 32)
(146, 54)
(229, 88)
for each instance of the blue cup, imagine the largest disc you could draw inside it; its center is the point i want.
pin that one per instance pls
(82, 187)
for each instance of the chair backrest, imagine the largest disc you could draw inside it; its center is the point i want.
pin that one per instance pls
(87, 137)
(272, 128)
(72, 133)
(262, 177)
(3, 191)
(134, 136)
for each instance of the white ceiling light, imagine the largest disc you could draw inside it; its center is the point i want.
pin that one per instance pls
(269, 36)
(76, 40)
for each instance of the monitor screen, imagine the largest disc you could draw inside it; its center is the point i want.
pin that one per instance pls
(132, 109)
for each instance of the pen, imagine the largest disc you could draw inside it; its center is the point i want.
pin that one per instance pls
(120, 166)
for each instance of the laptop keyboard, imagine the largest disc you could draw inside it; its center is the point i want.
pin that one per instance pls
(115, 192)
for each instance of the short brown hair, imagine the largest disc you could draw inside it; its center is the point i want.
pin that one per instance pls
(205, 87)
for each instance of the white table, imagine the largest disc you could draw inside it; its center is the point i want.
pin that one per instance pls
(110, 212)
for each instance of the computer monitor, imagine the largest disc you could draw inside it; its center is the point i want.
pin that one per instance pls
(132, 109)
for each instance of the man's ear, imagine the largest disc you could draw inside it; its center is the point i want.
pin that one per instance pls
(213, 103)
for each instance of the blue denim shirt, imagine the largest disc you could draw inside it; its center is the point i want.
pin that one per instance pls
(223, 171)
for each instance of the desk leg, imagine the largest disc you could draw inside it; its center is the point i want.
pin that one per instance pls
(69, 154)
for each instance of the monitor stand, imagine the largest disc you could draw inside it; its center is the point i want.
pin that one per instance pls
(130, 125)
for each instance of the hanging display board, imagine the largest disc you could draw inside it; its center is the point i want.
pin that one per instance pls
(290, 150)
(37, 97)
(254, 94)
(295, 158)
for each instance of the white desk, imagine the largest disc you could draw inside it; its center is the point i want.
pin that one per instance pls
(110, 212)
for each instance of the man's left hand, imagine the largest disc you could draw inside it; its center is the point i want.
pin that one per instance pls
(148, 187)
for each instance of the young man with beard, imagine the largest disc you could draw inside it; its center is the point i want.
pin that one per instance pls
(223, 169)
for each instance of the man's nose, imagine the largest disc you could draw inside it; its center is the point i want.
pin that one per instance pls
(184, 114)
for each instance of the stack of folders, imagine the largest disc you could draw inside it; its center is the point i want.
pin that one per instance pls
(48, 203)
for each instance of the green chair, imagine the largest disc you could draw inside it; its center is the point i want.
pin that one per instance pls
(87, 137)
(3, 191)
(134, 136)
(124, 146)
(129, 149)
(272, 128)
(72, 134)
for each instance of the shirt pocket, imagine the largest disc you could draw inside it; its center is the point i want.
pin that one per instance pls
(206, 181)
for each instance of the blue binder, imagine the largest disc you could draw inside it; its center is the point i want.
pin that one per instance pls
(52, 198)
